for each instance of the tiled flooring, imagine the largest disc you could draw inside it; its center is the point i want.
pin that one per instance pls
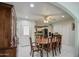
(66, 51)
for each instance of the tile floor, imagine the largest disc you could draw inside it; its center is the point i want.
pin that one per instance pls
(66, 51)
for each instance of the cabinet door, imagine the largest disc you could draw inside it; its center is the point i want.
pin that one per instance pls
(5, 26)
(8, 52)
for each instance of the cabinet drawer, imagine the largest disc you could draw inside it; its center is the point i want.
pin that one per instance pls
(8, 52)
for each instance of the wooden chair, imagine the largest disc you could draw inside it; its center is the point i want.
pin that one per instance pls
(59, 38)
(34, 48)
(46, 47)
(54, 45)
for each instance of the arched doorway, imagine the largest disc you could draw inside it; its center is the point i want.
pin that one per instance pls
(74, 16)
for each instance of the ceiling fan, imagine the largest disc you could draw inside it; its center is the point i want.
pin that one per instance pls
(47, 18)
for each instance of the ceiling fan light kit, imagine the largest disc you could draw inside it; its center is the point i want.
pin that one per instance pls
(45, 21)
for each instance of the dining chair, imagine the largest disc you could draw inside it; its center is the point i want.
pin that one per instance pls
(34, 48)
(59, 38)
(54, 45)
(47, 46)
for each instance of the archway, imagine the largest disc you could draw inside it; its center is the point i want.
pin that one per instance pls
(64, 7)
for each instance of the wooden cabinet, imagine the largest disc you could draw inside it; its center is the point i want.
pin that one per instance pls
(7, 36)
(11, 52)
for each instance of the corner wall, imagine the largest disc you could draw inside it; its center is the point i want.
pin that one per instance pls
(65, 29)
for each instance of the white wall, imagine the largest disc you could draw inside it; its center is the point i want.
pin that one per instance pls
(72, 9)
(24, 41)
(65, 29)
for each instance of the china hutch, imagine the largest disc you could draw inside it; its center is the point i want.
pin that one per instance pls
(7, 30)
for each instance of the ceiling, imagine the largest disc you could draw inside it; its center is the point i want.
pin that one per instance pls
(41, 9)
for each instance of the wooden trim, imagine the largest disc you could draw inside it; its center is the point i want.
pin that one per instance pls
(5, 4)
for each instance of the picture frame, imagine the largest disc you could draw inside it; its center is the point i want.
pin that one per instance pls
(73, 26)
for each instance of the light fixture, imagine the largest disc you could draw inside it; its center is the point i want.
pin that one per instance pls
(62, 16)
(32, 5)
(45, 21)
(48, 18)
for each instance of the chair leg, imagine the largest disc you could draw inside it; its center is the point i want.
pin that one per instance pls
(41, 53)
(55, 48)
(47, 49)
(47, 53)
(52, 52)
(55, 52)
(60, 49)
(32, 53)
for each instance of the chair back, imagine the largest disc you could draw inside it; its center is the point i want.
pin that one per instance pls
(52, 35)
(60, 38)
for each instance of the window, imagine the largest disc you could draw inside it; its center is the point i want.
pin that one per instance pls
(26, 30)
